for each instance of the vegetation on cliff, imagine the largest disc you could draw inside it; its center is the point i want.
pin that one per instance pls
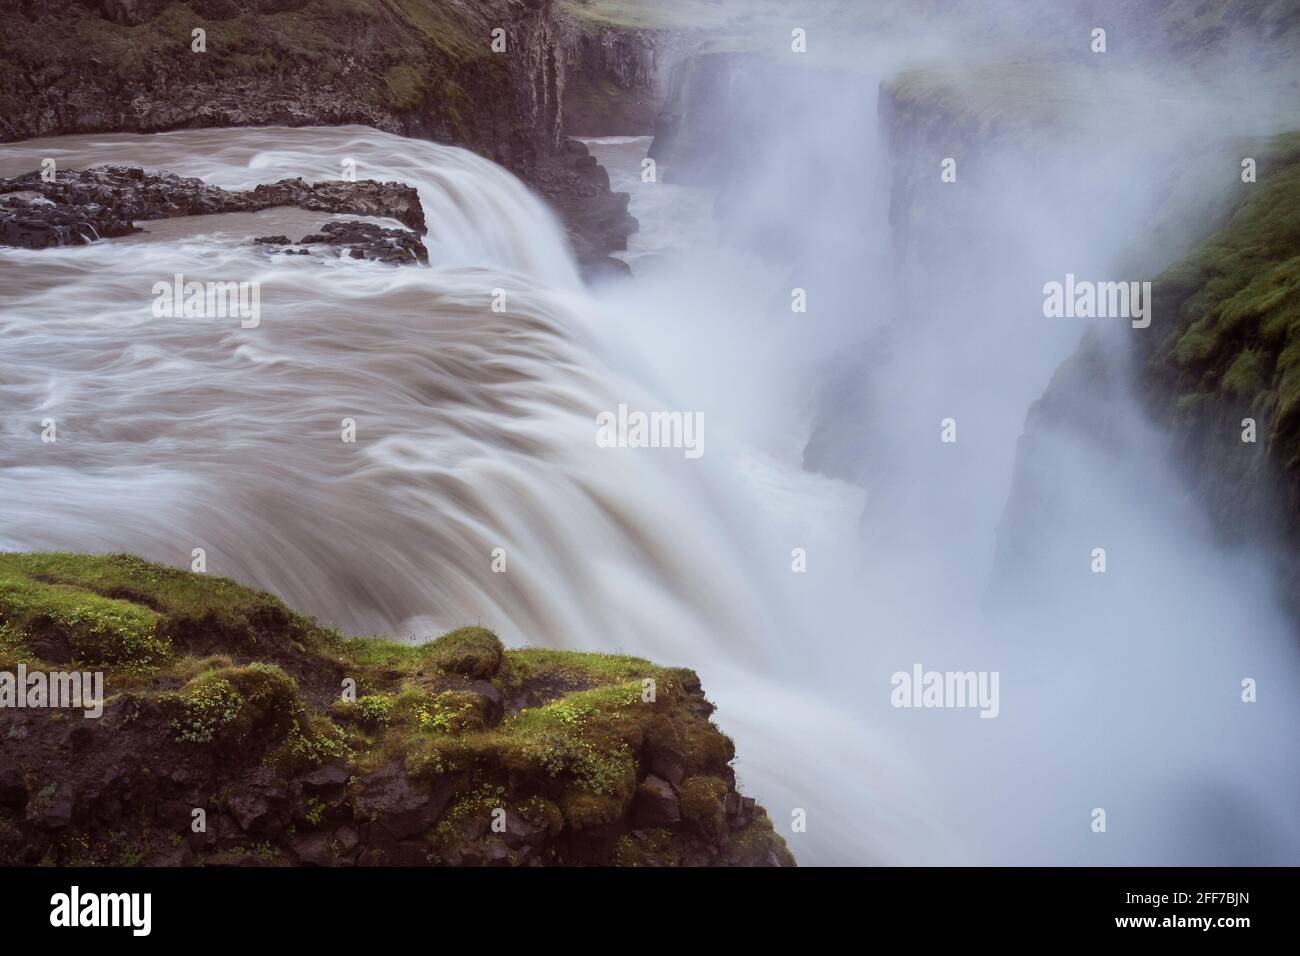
(1227, 343)
(302, 745)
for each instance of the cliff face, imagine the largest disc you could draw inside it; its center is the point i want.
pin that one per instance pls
(423, 68)
(419, 67)
(1216, 373)
(616, 76)
(234, 731)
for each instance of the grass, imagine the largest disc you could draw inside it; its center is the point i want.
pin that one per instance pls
(232, 673)
(1232, 307)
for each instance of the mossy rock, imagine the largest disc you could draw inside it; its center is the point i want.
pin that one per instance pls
(470, 651)
(558, 738)
(234, 707)
(702, 803)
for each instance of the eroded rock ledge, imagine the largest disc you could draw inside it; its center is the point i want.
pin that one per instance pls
(453, 752)
(81, 206)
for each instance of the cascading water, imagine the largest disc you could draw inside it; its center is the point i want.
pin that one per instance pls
(476, 431)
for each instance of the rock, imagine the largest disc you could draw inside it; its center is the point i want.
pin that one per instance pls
(390, 801)
(348, 839)
(493, 703)
(496, 854)
(260, 803)
(40, 224)
(54, 812)
(328, 778)
(363, 240)
(656, 804)
(13, 789)
(80, 207)
(314, 849)
(520, 833)
(668, 764)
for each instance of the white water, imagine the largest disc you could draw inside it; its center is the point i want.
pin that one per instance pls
(476, 431)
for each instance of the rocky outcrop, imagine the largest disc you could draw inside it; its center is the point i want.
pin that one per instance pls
(236, 732)
(359, 240)
(596, 220)
(76, 207)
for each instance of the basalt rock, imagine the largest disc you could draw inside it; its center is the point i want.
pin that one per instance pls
(236, 746)
(596, 220)
(81, 206)
(364, 240)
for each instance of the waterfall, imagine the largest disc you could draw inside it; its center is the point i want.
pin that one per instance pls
(476, 440)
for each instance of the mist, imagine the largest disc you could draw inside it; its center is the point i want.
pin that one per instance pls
(1119, 690)
(878, 489)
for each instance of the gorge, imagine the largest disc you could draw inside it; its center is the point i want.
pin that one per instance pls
(478, 428)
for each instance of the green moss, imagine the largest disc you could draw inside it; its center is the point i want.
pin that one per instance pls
(649, 848)
(757, 842)
(1230, 311)
(1243, 377)
(234, 707)
(76, 623)
(130, 615)
(405, 85)
(702, 802)
(375, 709)
(471, 651)
(567, 747)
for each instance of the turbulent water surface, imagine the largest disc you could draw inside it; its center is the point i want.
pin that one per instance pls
(475, 431)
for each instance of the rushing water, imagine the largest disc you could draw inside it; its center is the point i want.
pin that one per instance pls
(475, 431)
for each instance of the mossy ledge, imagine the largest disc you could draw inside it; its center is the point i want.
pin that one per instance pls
(453, 752)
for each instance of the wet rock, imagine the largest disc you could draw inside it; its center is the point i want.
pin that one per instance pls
(363, 240)
(596, 220)
(81, 206)
(41, 224)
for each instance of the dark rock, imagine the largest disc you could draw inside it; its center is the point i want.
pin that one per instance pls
(79, 207)
(314, 849)
(347, 838)
(363, 240)
(13, 789)
(260, 803)
(493, 702)
(328, 778)
(656, 804)
(390, 801)
(668, 764)
(54, 812)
